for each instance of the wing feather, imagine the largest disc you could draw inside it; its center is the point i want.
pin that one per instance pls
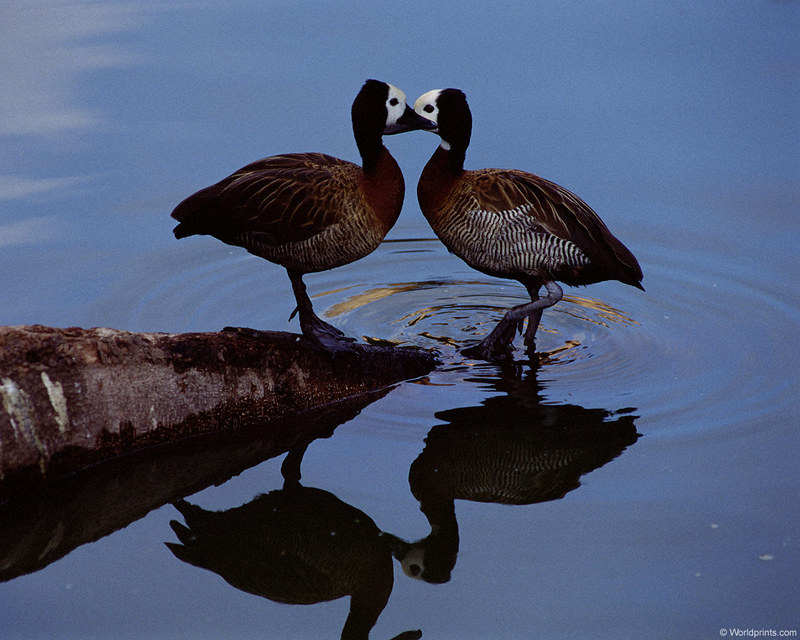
(287, 198)
(559, 212)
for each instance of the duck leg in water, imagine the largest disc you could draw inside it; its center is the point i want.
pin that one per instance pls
(498, 342)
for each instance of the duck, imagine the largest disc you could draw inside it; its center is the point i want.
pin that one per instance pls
(311, 212)
(508, 223)
(296, 545)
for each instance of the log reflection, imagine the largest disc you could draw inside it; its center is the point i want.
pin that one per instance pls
(42, 524)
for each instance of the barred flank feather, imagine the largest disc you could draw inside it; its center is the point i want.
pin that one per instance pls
(517, 225)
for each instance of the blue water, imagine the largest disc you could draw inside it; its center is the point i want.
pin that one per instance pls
(677, 122)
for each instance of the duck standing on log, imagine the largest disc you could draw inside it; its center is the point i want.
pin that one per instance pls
(309, 211)
(512, 224)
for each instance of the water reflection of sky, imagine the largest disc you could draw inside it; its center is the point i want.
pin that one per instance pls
(124, 108)
(677, 122)
(45, 48)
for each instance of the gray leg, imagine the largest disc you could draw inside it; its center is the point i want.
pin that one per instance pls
(533, 320)
(554, 294)
(498, 343)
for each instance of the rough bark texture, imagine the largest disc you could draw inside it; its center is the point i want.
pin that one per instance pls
(76, 397)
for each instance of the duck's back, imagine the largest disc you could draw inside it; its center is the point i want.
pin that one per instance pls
(305, 211)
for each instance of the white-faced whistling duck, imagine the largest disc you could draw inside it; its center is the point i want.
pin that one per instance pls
(512, 224)
(309, 211)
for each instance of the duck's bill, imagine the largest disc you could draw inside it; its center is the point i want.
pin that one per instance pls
(409, 121)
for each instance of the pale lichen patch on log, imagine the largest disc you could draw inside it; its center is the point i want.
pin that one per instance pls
(21, 413)
(58, 401)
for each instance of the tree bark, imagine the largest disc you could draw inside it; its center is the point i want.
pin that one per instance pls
(75, 397)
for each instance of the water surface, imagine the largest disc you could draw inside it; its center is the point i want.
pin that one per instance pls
(637, 479)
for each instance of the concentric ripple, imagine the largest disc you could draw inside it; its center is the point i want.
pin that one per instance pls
(455, 313)
(691, 348)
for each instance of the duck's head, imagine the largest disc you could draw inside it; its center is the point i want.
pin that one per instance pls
(449, 111)
(380, 109)
(431, 559)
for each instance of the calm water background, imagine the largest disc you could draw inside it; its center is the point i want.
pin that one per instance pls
(677, 122)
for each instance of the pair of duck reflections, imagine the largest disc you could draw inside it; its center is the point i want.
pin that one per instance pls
(303, 545)
(461, 314)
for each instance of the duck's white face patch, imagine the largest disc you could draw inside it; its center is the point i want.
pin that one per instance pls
(395, 105)
(413, 563)
(426, 106)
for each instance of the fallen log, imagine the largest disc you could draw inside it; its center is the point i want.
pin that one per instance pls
(75, 397)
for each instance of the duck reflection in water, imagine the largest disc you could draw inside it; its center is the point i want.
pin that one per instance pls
(295, 545)
(512, 449)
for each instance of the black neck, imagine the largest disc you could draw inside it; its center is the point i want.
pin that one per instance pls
(455, 158)
(370, 147)
(368, 115)
(455, 126)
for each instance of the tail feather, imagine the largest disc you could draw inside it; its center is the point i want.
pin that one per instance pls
(184, 533)
(179, 551)
(197, 213)
(192, 513)
(183, 230)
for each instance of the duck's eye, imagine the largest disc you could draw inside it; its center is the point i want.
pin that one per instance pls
(428, 108)
(394, 102)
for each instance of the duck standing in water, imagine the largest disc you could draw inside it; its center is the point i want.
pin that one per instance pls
(512, 224)
(309, 211)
